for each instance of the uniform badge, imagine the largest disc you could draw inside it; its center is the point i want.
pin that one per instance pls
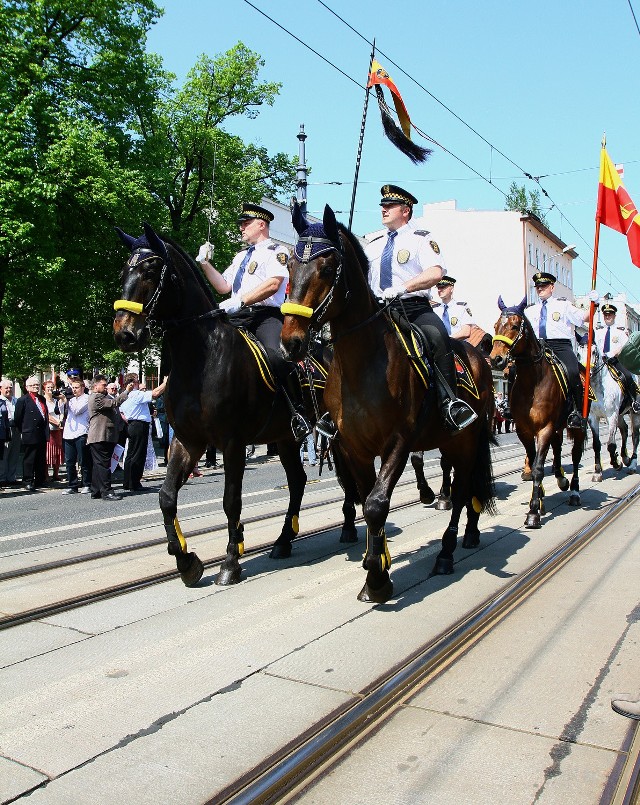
(454, 321)
(282, 258)
(403, 256)
(434, 246)
(555, 316)
(615, 339)
(252, 267)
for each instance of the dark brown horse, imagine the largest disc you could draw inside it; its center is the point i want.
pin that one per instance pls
(375, 396)
(219, 393)
(538, 406)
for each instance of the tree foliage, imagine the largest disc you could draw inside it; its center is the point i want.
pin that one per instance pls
(519, 200)
(94, 133)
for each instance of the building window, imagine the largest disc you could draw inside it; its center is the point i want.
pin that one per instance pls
(530, 255)
(537, 258)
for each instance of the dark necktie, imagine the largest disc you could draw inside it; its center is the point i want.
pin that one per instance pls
(445, 319)
(542, 328)
(607, 341)
(237, 280)
(386, 261)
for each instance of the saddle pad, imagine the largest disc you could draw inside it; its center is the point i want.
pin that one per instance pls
(260, 357)
(560, 372)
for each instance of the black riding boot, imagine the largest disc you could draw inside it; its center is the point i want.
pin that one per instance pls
(455, 412)
(575, 420)
(299, 423)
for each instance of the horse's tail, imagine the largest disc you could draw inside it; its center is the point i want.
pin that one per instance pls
(482, 483)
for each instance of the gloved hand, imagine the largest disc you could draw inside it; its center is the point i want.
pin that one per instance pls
(205, 253)
(594, 296)
(230, 306)
(393, 292)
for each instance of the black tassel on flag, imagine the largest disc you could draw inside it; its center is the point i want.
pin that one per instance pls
(415, 152)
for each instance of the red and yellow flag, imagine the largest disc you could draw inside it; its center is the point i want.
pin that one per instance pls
(379, 75)
(615, 207)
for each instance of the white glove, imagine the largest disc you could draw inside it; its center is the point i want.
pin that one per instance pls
(594, 296)
(205, 253)
(393, 292)
(230, 306)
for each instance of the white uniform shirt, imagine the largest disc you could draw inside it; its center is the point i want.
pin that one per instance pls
(414, 250)
(11, 406)
(617, 339)
(77, 422)
(459, 316)
(268, 259)
(562, 317)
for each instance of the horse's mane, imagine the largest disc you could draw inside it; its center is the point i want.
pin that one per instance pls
(194, 268)
(357, 247)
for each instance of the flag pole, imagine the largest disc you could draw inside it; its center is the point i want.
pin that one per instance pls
(592, 305)
(361, 140)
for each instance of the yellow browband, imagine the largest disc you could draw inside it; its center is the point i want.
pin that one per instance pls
(124, 304)
(296, 310)
(507, 341)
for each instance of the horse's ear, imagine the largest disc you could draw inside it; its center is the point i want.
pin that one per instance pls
(523, 304)
(300, 223)
(501, 304)
(128, 240)
(155, 242)
(330, 225)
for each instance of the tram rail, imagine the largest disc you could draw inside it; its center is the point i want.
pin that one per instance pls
(287, 773)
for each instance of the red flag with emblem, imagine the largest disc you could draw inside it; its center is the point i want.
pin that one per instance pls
(615, 207)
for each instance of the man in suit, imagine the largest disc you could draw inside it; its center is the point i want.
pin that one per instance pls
(9, 462)
(31, 419)
(104, 427)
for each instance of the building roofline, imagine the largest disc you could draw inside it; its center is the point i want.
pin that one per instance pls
(537, 224)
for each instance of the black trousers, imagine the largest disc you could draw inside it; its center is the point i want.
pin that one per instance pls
(420, 312)
(563, 348)
(101, 471)
(266, 324)
(34, 464)
(136, 453)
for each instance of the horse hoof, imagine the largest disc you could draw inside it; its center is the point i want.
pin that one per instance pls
(192, 575)
(526, 476)
(427, 497)
(532, 521)
(380, 596)
(574, 500)
(626, 461)
(596, 478)
(228, 576)
(349, 534)
(633, 467)
(443, 504)
(443, 566)
(563, 483)
(280, 550)
(471, 541)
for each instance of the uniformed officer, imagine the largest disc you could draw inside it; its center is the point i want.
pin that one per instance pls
(554, 321)
(403, 265)
(257, 281)
(610, 339)
(455, 316)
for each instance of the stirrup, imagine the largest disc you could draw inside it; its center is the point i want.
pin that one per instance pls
(635, 407)
(326, 427)
(458, 414)
(300, 427)
(575, 421)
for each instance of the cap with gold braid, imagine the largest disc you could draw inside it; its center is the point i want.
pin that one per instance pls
(608, 308)
(392, 194)
(250, 211)
(445, 281)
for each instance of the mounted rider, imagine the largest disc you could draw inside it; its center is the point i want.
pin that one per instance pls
(610, 339)
(403, 266)
(257, 281)
(554, 320)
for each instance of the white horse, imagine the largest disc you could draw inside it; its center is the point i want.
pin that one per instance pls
(612, 406)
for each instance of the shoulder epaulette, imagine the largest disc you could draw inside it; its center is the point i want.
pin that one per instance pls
(460, 303)
(274, 246)
(600, 327)
(621, 328)
(561, 298)
(373, 240)
(436, 304)
(421, 232)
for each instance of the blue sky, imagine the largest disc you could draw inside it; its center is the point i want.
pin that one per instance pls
(539, 82)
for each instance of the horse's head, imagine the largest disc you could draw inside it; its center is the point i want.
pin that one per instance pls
(143, 278)
(315, 270)
(508, 333)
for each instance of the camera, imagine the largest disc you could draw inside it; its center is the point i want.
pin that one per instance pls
(56, 394)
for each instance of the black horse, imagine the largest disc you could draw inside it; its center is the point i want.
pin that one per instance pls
(220, 392)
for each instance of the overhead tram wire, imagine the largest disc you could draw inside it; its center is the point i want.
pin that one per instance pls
(489, 181)
(633, 14)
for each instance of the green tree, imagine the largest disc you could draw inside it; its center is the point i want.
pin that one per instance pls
(518, 199)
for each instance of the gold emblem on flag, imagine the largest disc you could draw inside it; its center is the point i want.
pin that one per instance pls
(403, 256)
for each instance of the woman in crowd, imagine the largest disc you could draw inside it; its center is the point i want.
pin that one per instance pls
(55, 409)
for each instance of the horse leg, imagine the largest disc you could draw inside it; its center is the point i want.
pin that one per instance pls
(234, 462)
(349, 533)
(444, 560)
(594, 426)
(576, 457)
(635, 437)
(180, 463)
(526, 469)
(427, 495)
(444, 498)
(378, 587)
(472, 532)
(558, 471)
(536, 504)
(620, 423)
(296, 480)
